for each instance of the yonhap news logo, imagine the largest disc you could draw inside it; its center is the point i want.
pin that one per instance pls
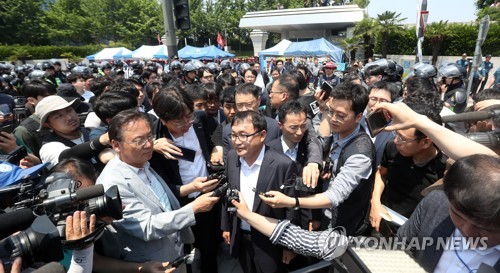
(416, 243)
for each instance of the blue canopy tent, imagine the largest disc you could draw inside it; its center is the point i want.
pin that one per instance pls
(209, 52)
(318, 47)
(110, 53)
(148, 52)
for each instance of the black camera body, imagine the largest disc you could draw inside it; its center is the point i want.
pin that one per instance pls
(38, 243)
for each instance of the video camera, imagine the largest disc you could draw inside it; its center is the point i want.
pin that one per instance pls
(20, 111)
(489, 139)
(46, 204)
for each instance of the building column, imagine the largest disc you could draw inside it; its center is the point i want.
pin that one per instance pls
(259, 39)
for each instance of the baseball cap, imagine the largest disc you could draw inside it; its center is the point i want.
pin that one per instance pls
(51, 104)
(11, 174)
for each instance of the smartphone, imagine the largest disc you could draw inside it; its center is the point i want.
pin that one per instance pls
(377, 121)
(327, 88)
(16, 156)
(261, 193)
(187, 154)
(7, 128)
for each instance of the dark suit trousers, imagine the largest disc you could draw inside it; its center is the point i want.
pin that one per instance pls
(255, 257)
(207, 234)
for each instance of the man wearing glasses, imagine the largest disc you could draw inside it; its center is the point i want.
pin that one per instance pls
(178, 125)
(409, 164)
(154, 225)
(352, 155)
(380, 91)
(253, 167)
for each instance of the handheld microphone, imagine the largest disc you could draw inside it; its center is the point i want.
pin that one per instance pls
(471, 116)
(15, 221)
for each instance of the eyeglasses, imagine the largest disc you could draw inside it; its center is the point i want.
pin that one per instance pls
(139, 143)
(332, 114)
(377, 100)
(275, 92)
(400, 139)
(295, 128)
(188, 119)
(242, 137)
(249, 105)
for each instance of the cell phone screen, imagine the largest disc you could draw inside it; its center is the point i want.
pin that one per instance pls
(327, 88)
(187, 154)
(376, 122)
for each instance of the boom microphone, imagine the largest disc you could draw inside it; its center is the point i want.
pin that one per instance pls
(471, 116)
(15, 221)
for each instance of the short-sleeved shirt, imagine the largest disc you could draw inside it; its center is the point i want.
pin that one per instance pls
(405, 179)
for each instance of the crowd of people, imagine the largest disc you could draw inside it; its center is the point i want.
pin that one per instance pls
(291, 139)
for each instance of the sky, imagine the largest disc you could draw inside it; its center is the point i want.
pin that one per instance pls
(451, 10)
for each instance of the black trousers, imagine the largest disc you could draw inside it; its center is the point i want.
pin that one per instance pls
(254, 258)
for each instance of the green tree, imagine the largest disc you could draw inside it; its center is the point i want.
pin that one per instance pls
(387, 23)
(364, 31)
(437, 33)
(362, 3)
(20, 22)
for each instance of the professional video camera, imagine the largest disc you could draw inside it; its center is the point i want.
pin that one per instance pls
(38, 243)
(59, 198)
(46, 204)
(20, 111)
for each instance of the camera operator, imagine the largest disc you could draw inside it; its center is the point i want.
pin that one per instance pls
(86, 176)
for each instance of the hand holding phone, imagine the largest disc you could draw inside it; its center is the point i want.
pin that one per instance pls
(327, 89)
(377, 121)
(261, 193)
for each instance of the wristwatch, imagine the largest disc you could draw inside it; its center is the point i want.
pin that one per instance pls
(297, 204)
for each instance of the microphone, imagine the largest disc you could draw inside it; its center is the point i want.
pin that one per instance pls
(15, 221)
(472, 116)
(78, 195)
(53, 267)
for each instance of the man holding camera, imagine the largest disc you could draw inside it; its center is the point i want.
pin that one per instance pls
(252, 168)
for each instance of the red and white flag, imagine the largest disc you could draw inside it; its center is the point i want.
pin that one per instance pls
(220, 40)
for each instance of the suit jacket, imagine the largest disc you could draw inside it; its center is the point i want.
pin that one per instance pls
(275, 170)
(146, 232)
(273, 132)
(380, 141)
(432, 219)
(169, 169)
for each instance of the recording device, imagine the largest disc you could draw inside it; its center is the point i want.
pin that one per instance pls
(471, 116)
(20, 111)
(187, 259)
(489, 139)
(7, 128)
(298, 184)
(16, 156)
(61, 198)
(377, 121)
(15, 221)
(327, 87)
(261, 193)
(328, 166)
(220, 190)
(215, 168)
(187, 154)
(39, 243)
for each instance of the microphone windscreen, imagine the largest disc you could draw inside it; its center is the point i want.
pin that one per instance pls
(89, 192)
(53, 267)
(471, 116)
(15, 221)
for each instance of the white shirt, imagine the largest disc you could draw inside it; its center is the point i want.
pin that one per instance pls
(248, 180)
(260, 81)
(87, 95)
(191, 170)
(450, 262)
(291, 153)
(51, 151)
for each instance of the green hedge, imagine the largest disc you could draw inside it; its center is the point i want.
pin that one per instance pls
(47, 52)
(463, 39)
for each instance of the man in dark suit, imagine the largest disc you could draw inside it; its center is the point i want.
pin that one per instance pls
(247, 97)
(467, 209)
(178, 125)
(251, 164)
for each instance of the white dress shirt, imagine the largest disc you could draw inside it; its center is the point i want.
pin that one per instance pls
(248, 180)
(191, 170)
(452, 261)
